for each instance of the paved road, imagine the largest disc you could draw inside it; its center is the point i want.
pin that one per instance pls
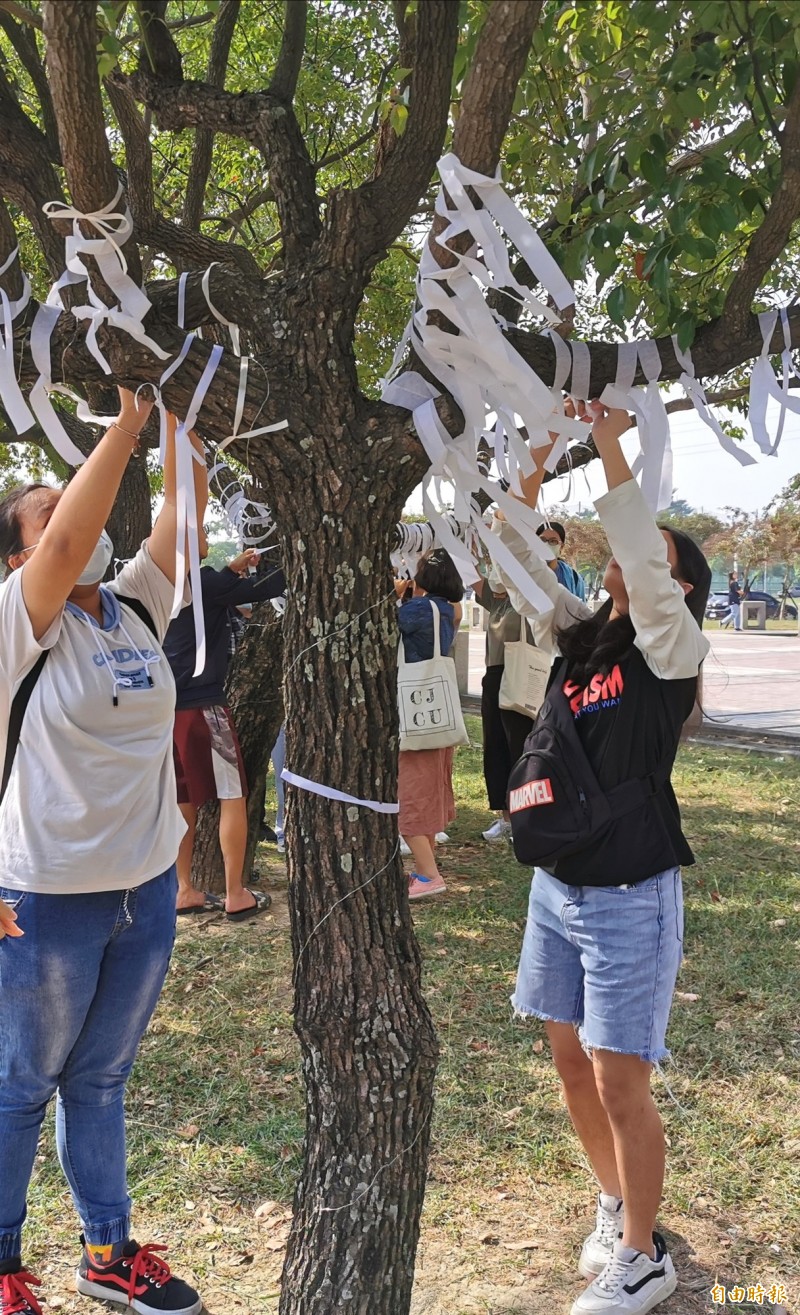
(751, 679)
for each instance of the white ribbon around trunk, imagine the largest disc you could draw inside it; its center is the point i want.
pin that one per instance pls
(327, 791)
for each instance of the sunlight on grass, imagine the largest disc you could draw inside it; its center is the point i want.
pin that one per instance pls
(216, 1107)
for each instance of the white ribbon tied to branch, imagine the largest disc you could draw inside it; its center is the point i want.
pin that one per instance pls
(113, 227)
(499, 394)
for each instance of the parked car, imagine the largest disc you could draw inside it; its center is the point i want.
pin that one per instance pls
(718, 606)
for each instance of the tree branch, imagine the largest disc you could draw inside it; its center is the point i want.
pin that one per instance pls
(200, 166)
(771, 237)
(363, 222)
(186, 249)
(491, 83)
(283, 82)
(70, 29)
(27, 178)
(23, 39)
(715, 351)
(21, 12)
(158, 47)
(256, 117)
(138, 152)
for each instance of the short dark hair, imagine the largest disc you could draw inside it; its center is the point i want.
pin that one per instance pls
(553, 525)
(10, 528)
(437, 574)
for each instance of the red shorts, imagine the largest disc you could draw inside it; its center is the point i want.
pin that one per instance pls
(208, 760)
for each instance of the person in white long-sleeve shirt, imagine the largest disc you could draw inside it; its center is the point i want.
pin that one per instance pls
(604, 934)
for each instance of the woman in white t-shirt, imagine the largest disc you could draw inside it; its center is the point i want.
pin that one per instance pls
(89, 832)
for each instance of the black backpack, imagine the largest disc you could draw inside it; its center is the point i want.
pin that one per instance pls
(22, 697)
(555, 802)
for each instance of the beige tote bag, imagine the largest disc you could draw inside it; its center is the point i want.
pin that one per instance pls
(428, 700)
(525, 675)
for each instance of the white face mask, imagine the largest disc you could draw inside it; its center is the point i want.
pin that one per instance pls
(97, 564)
(553, 550)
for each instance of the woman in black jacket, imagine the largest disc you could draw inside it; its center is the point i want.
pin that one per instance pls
(603, 939)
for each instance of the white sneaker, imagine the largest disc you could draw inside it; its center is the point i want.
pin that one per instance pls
(442, 838)
(405, 849)
(598, 1248)
(499, 830)
(629, 1286)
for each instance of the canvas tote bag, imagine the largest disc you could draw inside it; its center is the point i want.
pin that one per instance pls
(525, 675)
(428, 699)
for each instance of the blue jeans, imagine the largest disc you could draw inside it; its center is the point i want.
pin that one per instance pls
(278, 757)
(76, 994)
(604, 958)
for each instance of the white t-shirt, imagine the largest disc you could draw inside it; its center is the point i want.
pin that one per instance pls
(91, 803)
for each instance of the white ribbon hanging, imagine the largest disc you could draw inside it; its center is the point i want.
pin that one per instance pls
(13, 401)
(499, 394)
(764, 385)
(696, 394)
(186, 509)
(653, 467)
(230, 325)
(114, 227)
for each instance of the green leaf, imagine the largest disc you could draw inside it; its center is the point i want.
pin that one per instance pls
(563, 210)
(709, 220)
(652, 169)
(569, 16)
(615, 305)
(612, 169)
(398, 119)
(685, 330)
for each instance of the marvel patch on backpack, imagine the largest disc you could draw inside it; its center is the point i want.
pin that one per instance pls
(556, 804)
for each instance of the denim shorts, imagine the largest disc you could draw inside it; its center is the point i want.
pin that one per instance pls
(604, 958)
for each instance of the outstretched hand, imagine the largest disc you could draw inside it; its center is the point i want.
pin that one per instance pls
(608, 423)
(134, 410)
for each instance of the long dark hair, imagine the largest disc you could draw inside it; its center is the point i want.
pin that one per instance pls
(596, 644)
(10, 529)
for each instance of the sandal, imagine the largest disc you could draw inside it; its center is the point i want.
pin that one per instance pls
(211, 904)
(262, 903)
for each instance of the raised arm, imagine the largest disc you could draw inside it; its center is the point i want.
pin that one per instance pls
(666, 632)
(70, 536)
(164, 536)
(566, 607)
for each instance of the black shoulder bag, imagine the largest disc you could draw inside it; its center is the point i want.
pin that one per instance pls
(555, 801)
(22, 697)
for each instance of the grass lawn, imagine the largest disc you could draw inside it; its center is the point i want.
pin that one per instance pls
(216, 1104)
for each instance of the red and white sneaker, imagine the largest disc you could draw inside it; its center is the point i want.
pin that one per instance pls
(137, 1279)
(16, 1297)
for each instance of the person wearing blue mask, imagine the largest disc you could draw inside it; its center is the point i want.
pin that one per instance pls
(89, 834)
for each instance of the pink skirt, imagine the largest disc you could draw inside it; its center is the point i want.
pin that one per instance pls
(425, 791)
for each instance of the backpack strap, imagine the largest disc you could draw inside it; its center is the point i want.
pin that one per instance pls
(137, 606)
(22, 697)
(18, 706)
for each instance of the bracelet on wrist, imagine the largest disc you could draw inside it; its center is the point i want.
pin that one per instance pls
(129, 433)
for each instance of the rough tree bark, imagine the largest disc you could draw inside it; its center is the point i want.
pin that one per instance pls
(337, 480)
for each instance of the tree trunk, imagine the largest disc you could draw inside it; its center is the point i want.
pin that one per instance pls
(254, 689)
(368, 1044)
